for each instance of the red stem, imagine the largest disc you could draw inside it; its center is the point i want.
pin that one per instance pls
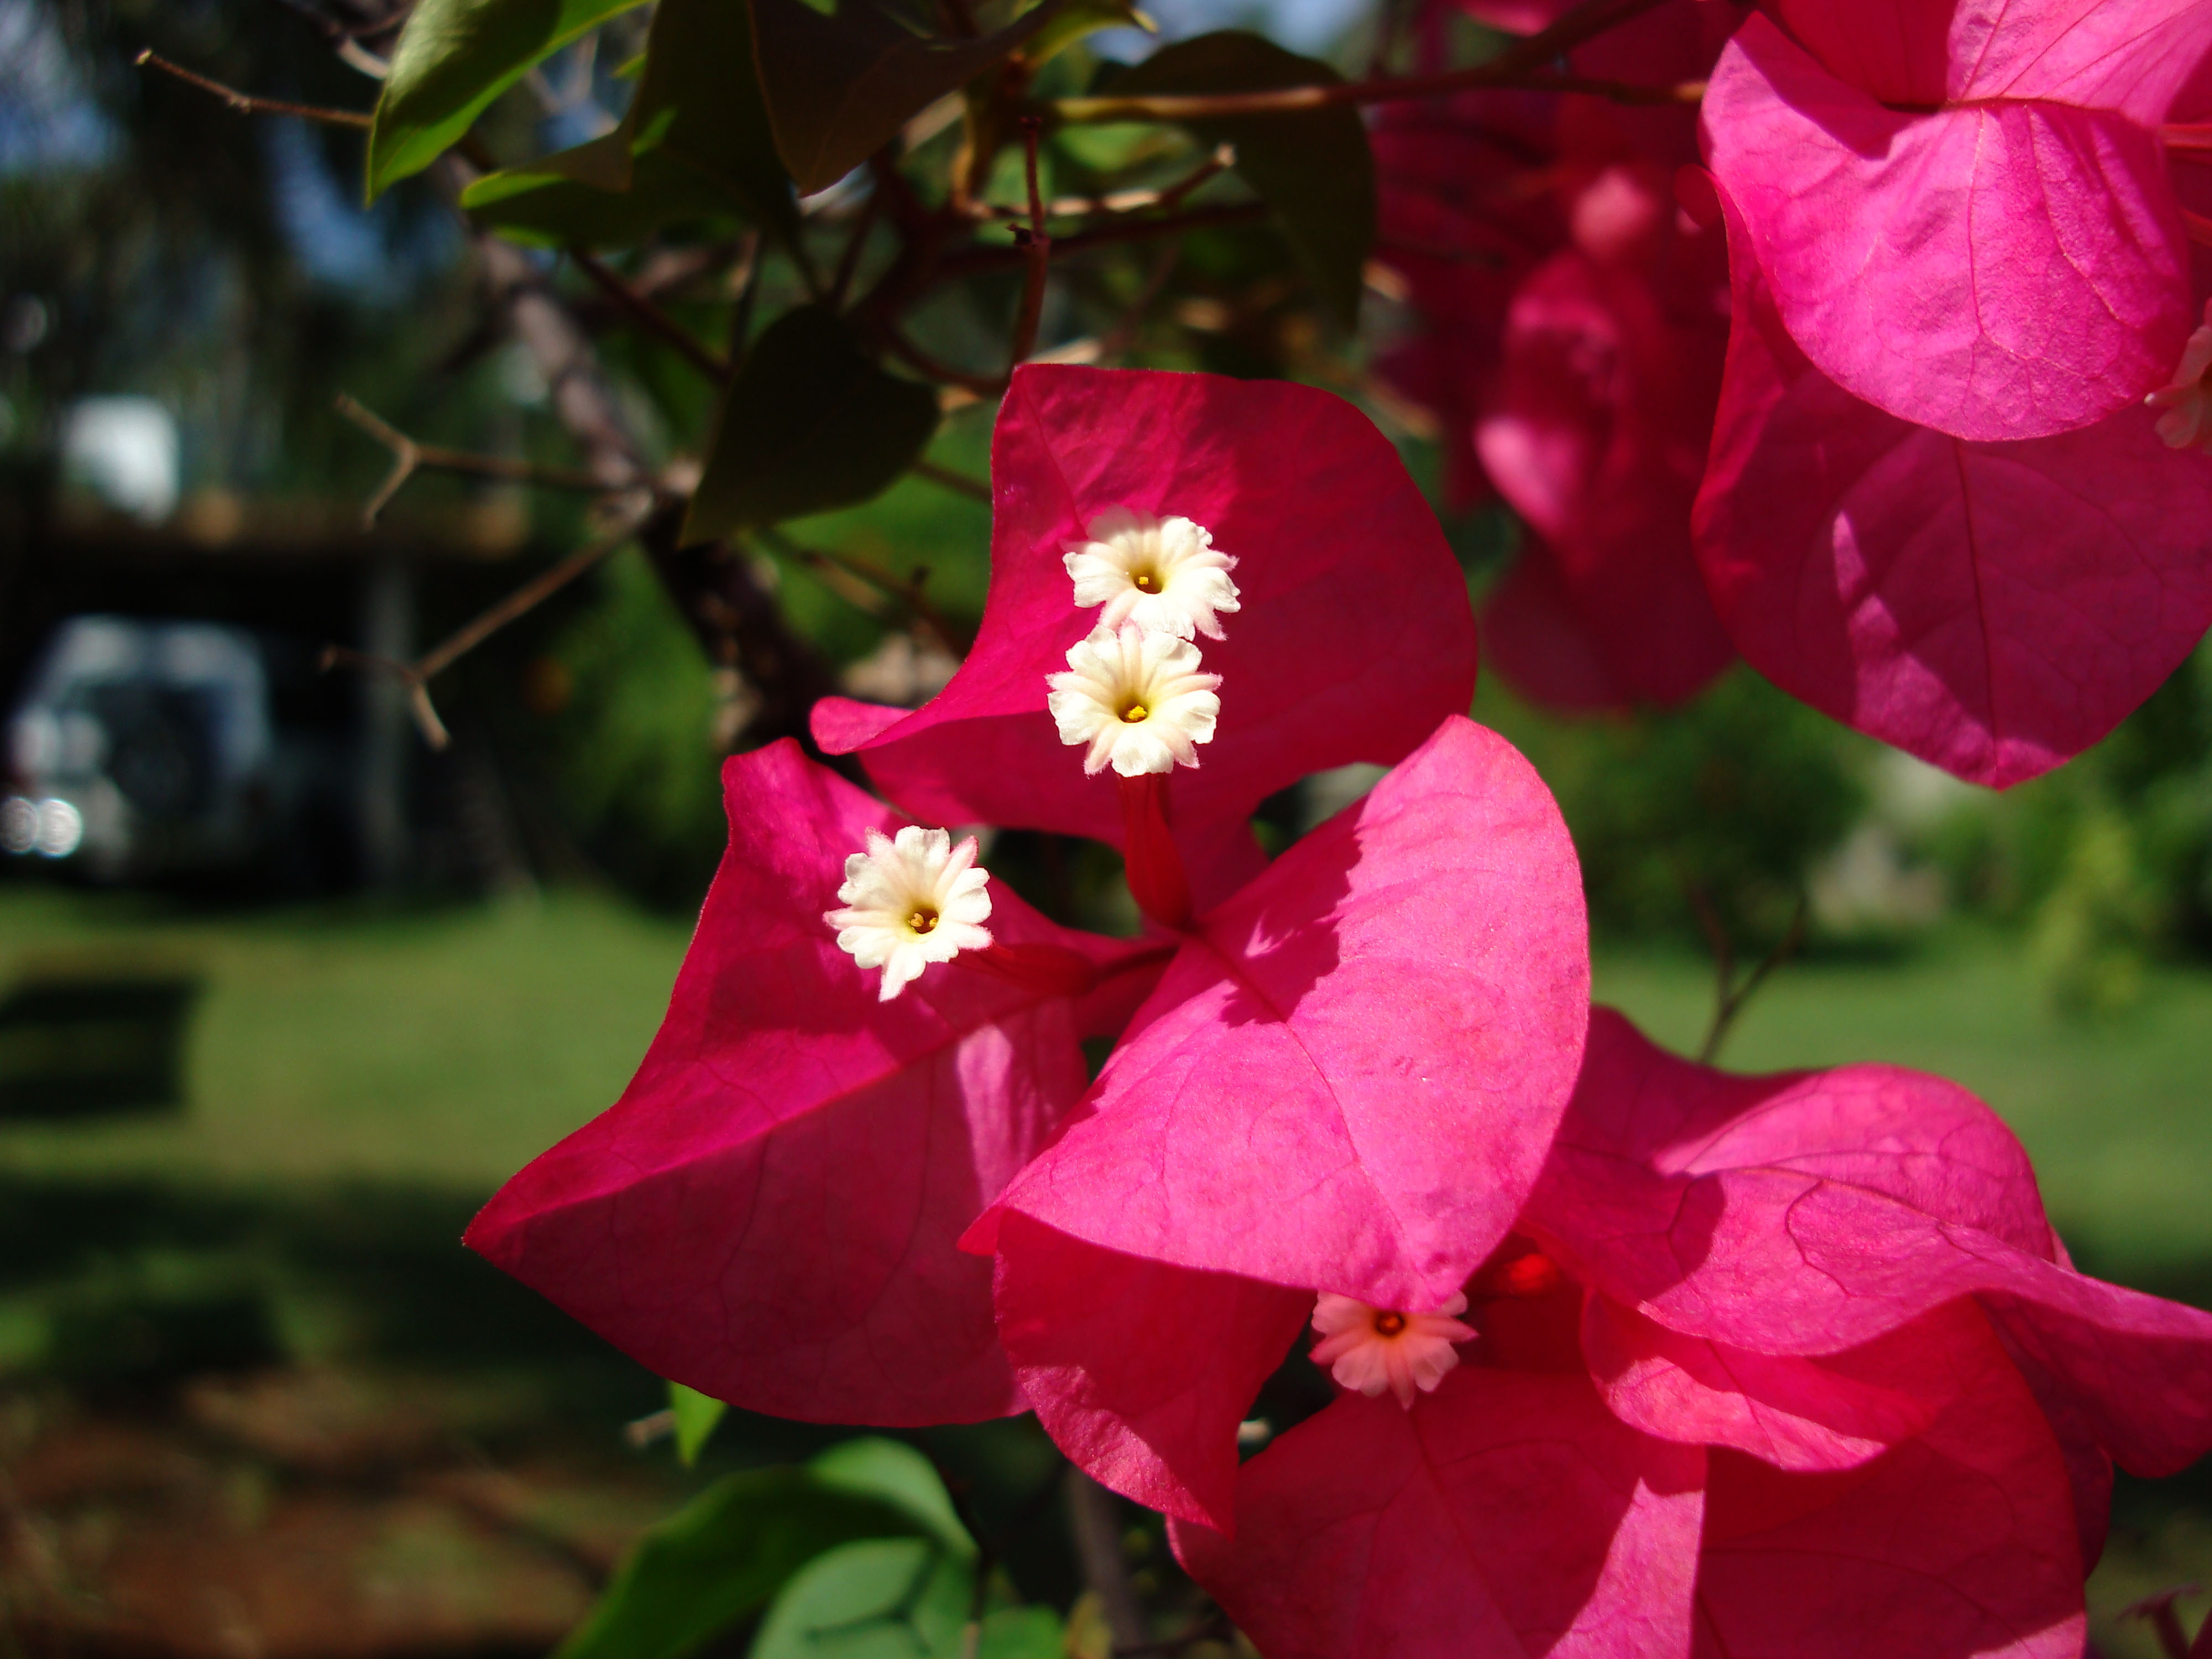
(1157, 880)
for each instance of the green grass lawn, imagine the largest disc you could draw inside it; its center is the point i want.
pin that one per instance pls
(445, 1046)
(442, 1047)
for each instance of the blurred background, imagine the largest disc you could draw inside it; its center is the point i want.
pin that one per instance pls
(285, 992)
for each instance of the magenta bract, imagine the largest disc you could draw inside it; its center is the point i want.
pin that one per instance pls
(1993, 608)
(1960, 205)
(1825, 1311)
(1347, 1077)
(1353, 639)
(772, 1205)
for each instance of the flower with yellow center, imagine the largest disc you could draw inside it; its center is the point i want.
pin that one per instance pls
(911, 901)
(1136, 697)
(1371, 1349)
(1160, 574)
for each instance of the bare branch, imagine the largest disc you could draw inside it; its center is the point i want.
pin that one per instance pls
(1037, 245)
(1098, 1547)
(652, 317)
(1729, 998)
(909, 592)
(247, 103)
(958, 483)
(1519, 65)
(409, 457)
(417, 674)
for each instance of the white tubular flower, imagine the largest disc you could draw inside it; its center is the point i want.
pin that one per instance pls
(1160, 574)
(1137, 698)
(1371, 1349)
(2186, 422)
(909, 902)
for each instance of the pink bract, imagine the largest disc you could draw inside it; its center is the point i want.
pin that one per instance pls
(1347, 1077)
(1508, 1514)
(1763, 1471)
(1353, 638)
(1345, 1081)
(1812, 1213)
(1962, 208)
(1993, 608)
(1597, 435)
(771, 1207)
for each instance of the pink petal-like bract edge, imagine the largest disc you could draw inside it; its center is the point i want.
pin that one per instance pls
(1348, 1077)
(1353, 637)
(1992, 608)
(1506, 1514)
(769, 1212)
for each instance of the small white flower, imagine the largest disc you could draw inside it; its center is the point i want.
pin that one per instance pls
(1137, 698)
(909, 902)
(1371, 1349)
(1160, 574)
(2187, 421)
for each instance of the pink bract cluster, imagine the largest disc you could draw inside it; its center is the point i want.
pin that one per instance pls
(1634, 1357)
(1863, 396)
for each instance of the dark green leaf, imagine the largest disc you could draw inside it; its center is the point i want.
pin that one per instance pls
(1076, 20)
(694, 146)
(892, 1598)
(546, 209)
(838, 88)
(895, 1472)
(454, 57)
(1314, 168)
(810, 423)
(723, 1557)
(696, 1414)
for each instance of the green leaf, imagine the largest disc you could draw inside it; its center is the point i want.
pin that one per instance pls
(885, 1598)
(809, 423)
(896, 1474)
(547, 209)
(1081, 18)
(695, 146)
(838, 88)
(696, 1414)
(724, 1556)
(454, 57)
(1313, 169)
(1022, 1634)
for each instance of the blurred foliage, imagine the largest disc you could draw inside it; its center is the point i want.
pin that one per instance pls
(1729, 801)
(630, 726)
(2108, 862)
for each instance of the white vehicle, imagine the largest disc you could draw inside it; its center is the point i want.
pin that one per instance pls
(143, 748)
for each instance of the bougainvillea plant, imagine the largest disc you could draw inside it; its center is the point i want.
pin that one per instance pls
(1871, 342)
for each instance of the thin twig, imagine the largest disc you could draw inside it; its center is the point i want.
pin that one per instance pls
(247, 103)
(653, 318)
(1125, 201)
(1729, 998)
(934, 368)
(1037, 244)
(863, 223)
(2157, 1610)
(909, 592)
(1123, 335)
(409, 458)
(1135, 229)
(958, 483)
(1098, 1532)
(1518, 65)
(416, 675)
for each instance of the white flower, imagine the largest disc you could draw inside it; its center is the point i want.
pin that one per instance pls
(1163, 574)
(1371, 1349)
(2187, 421)
(1137, 698)
(909, 902)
